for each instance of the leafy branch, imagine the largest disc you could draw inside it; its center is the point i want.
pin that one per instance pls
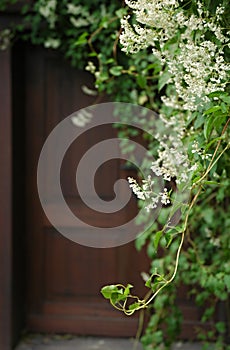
(119, 294)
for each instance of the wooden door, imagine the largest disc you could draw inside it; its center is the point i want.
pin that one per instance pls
(65, 278)
(5, 201)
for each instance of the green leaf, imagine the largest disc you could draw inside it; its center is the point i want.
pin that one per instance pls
(25, 9)
(110, 60)
(141, 81)
(220, 327)
(141, 240)
(82, 39)
(207, 314)
(121, 12)
(208, 215)
(225, 98)
(208, 127)
(224, 107)
(212, 110)
(92, 54)
(215, 94)
(117, 70)
(134, 306)
(148, 283)
(213, 141)
(191, 118)
(127, 290)
(155, 66)
(163, 80)
(107, 291)
(218, 120)
(114, 298)
(211, 183)
(199, 121)
(154, 280)
(227, 281)
(104, 22)
(157, 238)
(103, 76)
(169, 238)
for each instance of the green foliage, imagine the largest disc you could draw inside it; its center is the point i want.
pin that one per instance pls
(196, 251)
(5, 3)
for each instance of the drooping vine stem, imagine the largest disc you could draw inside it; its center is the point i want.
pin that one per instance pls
(150, 296)
(213, 160)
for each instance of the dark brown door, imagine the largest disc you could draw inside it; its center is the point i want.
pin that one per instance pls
(65, 278)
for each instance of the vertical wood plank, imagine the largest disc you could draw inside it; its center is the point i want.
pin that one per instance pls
(5, 200)
(34, 110)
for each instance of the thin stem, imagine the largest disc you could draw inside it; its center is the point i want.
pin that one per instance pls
(140, 326)
(147, 302)
(96, 32)
(211, 165)
(149, 298)
(115, 45)
(212, 162)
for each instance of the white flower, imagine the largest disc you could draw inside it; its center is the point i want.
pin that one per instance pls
(52, 43)
(90, 67)
(79, 22)
(137, 190)
(74, 9)
(196, 64)
(190, 49)
(47, 9)
(81, 118)
(164, 196)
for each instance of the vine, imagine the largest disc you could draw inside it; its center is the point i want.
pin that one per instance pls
(172, 57)
(120, 293)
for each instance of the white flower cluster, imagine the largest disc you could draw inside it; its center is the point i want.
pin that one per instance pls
(52, 43)
(79, 16)
(74, 9)
(191, 52)
(200, 152)
(172, 163)
(195, 63)
(146, 193)
(47, 9)
(91, 67)
(169, 163)
(215, 241)
(5, 38)
(137, 190)
(81, 118)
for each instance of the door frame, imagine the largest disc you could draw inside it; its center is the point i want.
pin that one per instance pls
(5, 201)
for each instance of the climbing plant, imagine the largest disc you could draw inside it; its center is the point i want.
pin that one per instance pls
(172, 57)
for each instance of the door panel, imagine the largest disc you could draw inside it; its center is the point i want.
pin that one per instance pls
(65, 278)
